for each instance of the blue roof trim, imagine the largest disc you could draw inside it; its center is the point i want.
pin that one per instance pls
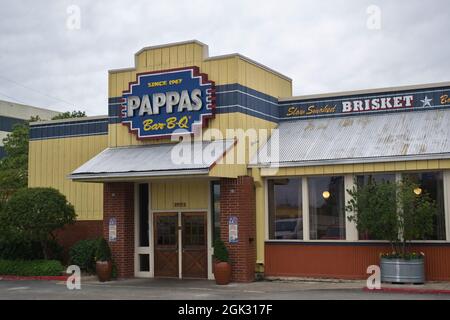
(235, 97)
(229, 98)
(69, 129)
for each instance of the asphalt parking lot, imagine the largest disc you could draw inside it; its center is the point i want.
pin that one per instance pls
(173, 289)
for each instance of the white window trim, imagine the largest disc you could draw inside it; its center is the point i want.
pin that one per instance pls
(209, 239)
(446, 183)
(266, 210)
(351, 232)
(137, 249)
(305, 209)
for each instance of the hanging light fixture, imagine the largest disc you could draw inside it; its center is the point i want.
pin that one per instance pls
(326, 194)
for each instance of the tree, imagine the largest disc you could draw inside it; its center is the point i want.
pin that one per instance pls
(398, 212)
(33, 214)
(14, 166)
(69, 115)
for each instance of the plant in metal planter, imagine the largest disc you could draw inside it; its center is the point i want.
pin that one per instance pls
(103, 264)
(399, 212)
(222, 267)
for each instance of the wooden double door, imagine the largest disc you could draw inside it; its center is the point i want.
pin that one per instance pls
(180, 244)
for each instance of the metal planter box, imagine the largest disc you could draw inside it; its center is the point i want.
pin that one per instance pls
(402, 271)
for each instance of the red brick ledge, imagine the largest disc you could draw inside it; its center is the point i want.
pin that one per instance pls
(44, 278)
(408, 290)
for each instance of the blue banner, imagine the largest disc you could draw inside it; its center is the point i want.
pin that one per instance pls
(408, 100)
(160, 103)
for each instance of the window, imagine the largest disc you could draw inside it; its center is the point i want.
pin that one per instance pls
(285, 209)
(215, 199)
(143, 215)
(144, 262)
(432, 183)
(363, 180)
(326, 208)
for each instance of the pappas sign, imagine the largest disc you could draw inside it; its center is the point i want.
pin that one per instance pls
(178, 101)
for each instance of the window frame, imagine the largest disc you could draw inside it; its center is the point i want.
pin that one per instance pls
(351, 234)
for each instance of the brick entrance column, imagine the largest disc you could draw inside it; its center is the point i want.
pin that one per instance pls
(118, 202)
(237, 198)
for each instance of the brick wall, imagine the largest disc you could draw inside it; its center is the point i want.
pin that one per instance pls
(119, 203)
(80, 230)
(237, 198)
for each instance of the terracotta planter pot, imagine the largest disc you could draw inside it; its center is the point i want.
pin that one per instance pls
(104, 270)
(222, 272)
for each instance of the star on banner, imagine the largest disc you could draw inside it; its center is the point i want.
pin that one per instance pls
(426, 102)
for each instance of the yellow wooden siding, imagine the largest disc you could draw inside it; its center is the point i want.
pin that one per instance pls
(394, 166)
(229, 166)
(221, 70)
(165, 194)
(52, 160)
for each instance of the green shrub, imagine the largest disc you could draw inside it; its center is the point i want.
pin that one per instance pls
(82, 254)
(31, 267)
(103, 252)
(220, 251)
(16, 249)
(393, 211)
(33, 214)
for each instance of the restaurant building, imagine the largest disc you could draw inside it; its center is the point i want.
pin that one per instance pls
(197, 147)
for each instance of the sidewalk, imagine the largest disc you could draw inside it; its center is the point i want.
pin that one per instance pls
(175, 289)
(428, 287)
(431, 287)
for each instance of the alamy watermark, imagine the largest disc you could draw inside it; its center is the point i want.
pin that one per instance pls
(73, 282)
(373, 21)
(73, 21)
(374, 280)
(231, 147)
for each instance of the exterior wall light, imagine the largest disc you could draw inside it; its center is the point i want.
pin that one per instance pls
(418, 191)
(326, 194)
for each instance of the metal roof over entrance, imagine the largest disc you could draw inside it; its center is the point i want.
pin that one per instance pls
(170, 159)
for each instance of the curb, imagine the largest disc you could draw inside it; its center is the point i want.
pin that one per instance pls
(408, 290)
(42, 278)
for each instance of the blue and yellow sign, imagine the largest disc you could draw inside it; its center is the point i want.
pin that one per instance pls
(408, 100)
(159, 104)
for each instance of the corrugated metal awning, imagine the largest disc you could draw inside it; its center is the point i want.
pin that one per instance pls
(189, 158)
(359, 139)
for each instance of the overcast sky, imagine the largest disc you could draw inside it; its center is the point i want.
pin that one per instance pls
(324, 46)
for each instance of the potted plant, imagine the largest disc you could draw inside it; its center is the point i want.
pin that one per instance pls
(103, 263)
(399, 212)
(222, 267)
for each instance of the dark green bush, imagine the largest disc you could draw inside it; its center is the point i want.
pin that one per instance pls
(16, 249)
(220, 251)
(103, 252)
(31, 268)
(83, 253)
(34, 214)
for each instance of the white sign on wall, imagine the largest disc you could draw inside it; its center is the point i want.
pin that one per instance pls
(112, 229)
(233, 229)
